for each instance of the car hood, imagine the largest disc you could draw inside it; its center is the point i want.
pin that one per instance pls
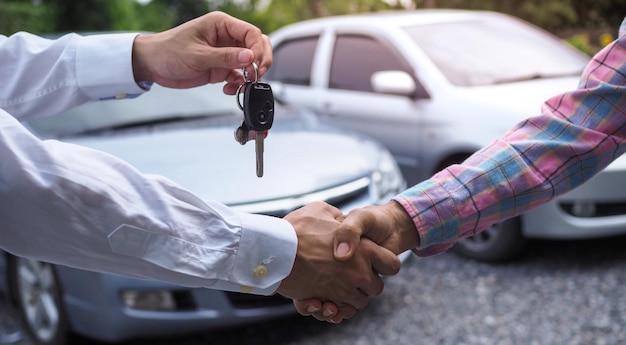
(209, 162)
(521, 99)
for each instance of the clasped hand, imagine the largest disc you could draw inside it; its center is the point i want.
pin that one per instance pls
(337, 269)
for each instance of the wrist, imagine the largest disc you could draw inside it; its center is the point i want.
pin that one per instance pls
(404, 225)
(141, 70)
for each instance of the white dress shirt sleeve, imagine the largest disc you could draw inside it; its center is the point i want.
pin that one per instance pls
(43, 77)
(75, 206)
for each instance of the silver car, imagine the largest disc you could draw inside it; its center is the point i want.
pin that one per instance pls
(188, 136)
(436, 85)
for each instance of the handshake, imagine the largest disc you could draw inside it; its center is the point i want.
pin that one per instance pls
(340, 257)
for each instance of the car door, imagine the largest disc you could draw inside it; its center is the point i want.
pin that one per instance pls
(331, 73)
(349, 98)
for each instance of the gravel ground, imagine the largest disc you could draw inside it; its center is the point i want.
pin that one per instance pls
(559, 293)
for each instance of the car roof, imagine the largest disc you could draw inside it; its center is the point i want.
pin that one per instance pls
(399, 18)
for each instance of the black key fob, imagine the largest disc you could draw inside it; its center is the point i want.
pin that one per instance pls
(258, 106)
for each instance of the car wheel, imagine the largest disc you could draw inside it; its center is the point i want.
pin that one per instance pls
(36, 291)
(499, 243)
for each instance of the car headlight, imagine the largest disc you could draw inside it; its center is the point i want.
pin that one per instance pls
(387, 179)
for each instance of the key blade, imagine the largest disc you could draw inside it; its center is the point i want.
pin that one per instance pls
(259, 147)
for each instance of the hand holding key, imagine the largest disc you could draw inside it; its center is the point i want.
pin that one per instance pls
(258, 115)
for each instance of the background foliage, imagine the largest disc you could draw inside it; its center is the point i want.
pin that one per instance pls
(587, 24)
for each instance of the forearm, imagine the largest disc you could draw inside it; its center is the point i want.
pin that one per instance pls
(43, 77)
(74, 206)
(465, 199)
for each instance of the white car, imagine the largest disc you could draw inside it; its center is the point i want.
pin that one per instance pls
(436, 85)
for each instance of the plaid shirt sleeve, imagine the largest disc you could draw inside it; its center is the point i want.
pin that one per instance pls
(577, 135)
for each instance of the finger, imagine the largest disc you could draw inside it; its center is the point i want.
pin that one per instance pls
(307, 307)
(382, 259)
(374, 285)
(332, 210)
(345, 311)
(241, 31)
(333, 314)
(225, 57)
(233, 80)
(358, 299)
(265, 62)
(336, 319)
(230, 89)
(328, 311)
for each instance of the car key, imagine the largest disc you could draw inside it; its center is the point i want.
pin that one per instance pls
(258, 112)
(258, 109)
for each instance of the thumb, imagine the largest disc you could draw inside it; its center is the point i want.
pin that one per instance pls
(346, 239)
(348, 234)
(228, 57)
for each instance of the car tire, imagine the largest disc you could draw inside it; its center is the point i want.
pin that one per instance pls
(500, 242)
(37, 294)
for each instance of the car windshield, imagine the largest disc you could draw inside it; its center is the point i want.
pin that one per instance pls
(495, 51)
(157, 107)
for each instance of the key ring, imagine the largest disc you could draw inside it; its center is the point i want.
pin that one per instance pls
(246, 81)
(256, 73)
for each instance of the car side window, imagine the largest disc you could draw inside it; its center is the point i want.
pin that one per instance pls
(357, 57)
(293, 61)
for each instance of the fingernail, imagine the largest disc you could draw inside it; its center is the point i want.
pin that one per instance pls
(245, 56)
(327, 313)
(312, 309)
(342, 249)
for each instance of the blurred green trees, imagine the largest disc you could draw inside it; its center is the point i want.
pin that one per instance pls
(582, 21)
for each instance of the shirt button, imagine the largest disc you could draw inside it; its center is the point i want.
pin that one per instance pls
(246, 289)
(260, 271)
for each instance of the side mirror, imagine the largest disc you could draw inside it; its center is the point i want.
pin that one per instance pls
(393, 82)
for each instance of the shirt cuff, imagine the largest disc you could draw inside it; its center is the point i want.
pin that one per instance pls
(104, 67)
(266, 254)
(434, 214)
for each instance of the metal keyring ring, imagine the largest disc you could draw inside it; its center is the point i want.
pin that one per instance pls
(256, 73)
(237, 96)
(246, 81)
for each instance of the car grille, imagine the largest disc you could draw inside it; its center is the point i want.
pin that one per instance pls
(337, 196)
